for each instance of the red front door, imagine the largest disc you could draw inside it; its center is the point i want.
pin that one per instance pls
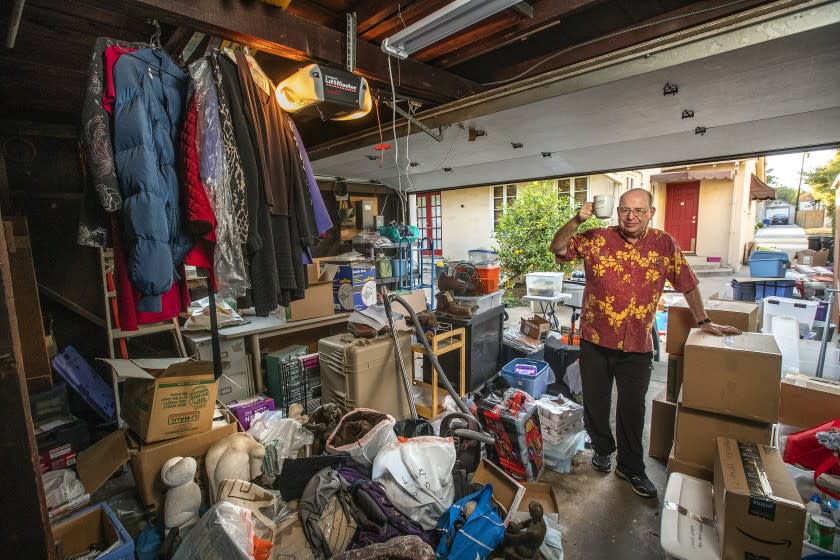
(682, 201)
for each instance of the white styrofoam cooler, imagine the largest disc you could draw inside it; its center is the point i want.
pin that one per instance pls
(687, 531)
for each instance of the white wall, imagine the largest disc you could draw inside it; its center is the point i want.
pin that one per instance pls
(467, 221)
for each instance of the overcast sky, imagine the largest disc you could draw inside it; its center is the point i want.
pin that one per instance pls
(786, 167)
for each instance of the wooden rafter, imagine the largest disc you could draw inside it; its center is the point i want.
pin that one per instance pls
(371, 12)
(280, 33)
(476, 34)
(547, 13)
(401, 19)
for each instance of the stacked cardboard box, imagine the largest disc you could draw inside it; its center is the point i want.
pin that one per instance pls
(741, 315)
(731, 388)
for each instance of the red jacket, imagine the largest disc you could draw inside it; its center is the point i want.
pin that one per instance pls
(200, 217)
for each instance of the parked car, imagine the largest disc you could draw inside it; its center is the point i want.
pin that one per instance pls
(778, 220)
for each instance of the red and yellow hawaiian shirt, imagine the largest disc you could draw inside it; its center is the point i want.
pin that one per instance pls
(624, 283)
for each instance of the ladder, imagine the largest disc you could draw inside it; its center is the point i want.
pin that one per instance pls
(117, 338)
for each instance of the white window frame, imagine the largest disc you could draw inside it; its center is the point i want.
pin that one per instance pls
(504, 203)
(572, 180)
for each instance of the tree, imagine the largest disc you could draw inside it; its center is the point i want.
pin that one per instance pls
(787, 194)
(525, 230)
(821, 180)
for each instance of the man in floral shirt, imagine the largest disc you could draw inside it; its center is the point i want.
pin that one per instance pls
(626, 269)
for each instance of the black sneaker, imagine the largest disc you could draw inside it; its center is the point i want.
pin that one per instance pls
(641, 484)
(601, 463)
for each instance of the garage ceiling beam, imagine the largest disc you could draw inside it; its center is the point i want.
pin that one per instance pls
(371, 12)
(401, 19)
(273, 30)
(695, 15)
(546, 13)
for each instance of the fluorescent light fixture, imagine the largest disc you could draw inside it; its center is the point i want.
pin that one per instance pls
(447, 21)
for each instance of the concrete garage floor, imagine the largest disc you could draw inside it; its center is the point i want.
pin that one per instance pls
(601, 516)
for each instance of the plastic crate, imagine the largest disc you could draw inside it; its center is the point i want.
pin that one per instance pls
(483, 256)
(576, 291)
(75, 370)
(532, 383)
(768, 264)
(489, 276)
(544, 284)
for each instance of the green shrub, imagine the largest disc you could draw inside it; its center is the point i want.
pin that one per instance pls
(525, 230)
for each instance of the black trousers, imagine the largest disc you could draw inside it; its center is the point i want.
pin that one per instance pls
(599, 366)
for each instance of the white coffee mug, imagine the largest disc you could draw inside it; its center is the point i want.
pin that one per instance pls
(603, 206)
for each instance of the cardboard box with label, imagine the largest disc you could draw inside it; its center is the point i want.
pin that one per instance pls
(354, 286)
(166, 398)
(758, 510)
(809, 257)
(97, 463)
(807, 401)
(739, 314)
(662, 417)
(534, 327)
(318, 298)
(674, 380)
(695, 434)
(733, 375)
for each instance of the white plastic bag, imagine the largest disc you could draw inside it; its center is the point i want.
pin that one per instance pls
(61, 486)
(417, 476)
(572, 378)
(281, 437)
(363, 446)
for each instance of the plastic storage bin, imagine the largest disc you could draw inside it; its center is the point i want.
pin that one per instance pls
(75, 370)
(489, 275)
(544, 284)
(780, 288)
(484, 303)
(576, 291)
(483, 256)
(96, 525)
(768, 264)
(532, 383)
(802, 310)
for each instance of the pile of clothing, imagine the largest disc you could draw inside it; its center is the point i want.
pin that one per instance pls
(194, 166)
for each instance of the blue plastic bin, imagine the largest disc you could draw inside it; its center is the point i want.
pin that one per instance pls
(533, 384)
(99, 524)
(743, 291)
(768, 264)
(779, 288)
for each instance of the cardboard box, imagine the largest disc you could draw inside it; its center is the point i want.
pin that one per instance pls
(236, 381)
(245, 410)
(809, 257)
(416, 300)
(166, 398)
(100, 461)
(674, 380)
(507, 492)
(96, 525)
(534, 327)
(684, 467)
(354, 286)
(758, 509)
(695, 433)
(317, 300)
(807, 401)
(544, 494)
(662, 418)
(734, 375)
(740, 314)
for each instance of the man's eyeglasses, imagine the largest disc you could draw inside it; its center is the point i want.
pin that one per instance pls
(638, 212)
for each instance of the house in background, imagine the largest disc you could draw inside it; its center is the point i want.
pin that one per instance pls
(458, 220)
(711, 208)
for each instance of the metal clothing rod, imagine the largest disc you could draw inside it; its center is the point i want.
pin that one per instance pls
(826, 331)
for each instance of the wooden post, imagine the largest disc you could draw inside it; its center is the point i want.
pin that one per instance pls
(25, 529)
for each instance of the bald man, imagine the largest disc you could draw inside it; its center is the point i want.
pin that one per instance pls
(626, 269)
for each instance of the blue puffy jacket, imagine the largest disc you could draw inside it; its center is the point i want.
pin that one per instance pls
(150, 99)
